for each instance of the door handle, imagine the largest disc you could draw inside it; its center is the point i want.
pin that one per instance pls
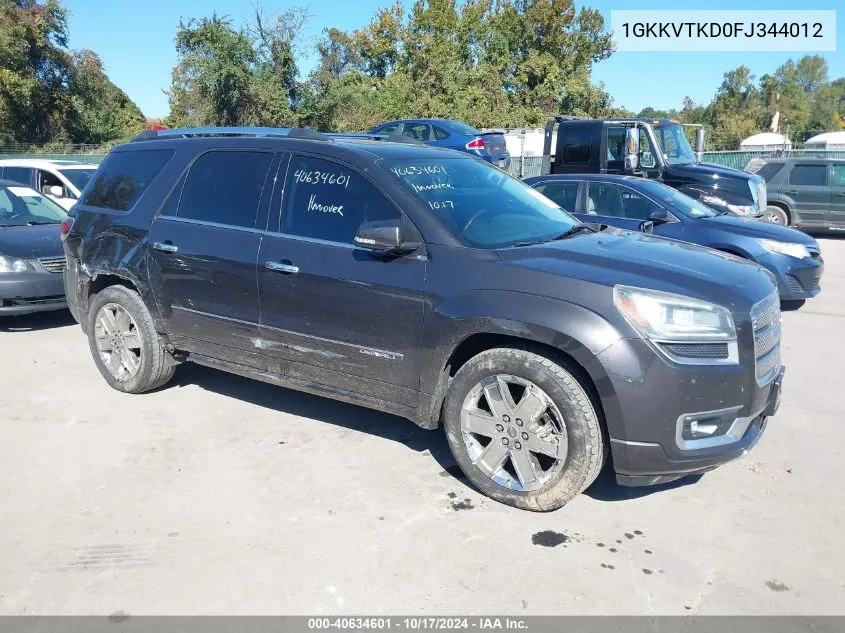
(165, 247)
(791, 192)
(841, 195)
(281, 267)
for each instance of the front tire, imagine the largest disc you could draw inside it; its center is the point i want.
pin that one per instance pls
(777, 215)
(126, 348)
(523, 429)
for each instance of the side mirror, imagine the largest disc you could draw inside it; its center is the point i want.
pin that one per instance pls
(646, 226)
(384, 236)
(632, 150)
(699, 144)
(659, 217)
(56, 191)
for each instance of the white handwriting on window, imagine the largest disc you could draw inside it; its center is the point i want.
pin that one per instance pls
(313, 205)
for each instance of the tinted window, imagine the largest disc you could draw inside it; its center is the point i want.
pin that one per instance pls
(418, 131)
(123, 177)
(618, 202)
(329, 201)
(565, 194)
(225, 187)
(439, 133)
(616, 144)
(18, 174)
(839, 175)
(808, 175)
(479, 204)
(768, 171)
(387, 130)
(577, 146)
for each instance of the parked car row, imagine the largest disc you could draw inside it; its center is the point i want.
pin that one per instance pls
(430, 284)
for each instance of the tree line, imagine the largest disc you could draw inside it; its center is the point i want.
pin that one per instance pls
(490, 63)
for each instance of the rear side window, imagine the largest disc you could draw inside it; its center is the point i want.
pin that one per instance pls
(123, 178)
(808, 175)
(769, 170)
(577, 146)
(22, 175)
(439, 133)
(225, 187)
(329, 201)
(564, 194)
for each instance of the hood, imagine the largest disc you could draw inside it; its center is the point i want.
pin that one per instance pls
(31, 242)
(711, 176)
(750, 227)
(622, 257)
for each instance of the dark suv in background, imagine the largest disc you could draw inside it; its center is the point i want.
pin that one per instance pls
(428, 284)
(807, 193)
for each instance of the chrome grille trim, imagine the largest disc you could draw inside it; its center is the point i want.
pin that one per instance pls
(766, 322)
(53, 264)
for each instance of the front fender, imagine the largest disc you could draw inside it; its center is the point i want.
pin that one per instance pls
(575, 330)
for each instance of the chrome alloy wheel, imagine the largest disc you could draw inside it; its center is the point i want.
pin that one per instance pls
(118, 341)
(513, 432)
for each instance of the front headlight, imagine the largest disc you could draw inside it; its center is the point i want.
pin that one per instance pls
(786, 248)
(667, 317)
(12, 265)
(742, 209)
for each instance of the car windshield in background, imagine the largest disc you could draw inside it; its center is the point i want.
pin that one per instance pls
(463, 128)
(79, 177)
(480, 205)
(21, 206)
(674, 145)
(675, 200)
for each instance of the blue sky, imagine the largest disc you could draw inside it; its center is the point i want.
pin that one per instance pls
(135, 42)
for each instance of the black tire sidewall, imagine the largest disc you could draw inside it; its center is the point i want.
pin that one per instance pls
(130, 301)
(570, 399)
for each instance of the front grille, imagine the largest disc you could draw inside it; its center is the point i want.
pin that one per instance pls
(53, 264)
(793, 285)
(698, 350)
(765, 319)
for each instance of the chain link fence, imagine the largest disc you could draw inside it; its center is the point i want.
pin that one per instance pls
(739, 160)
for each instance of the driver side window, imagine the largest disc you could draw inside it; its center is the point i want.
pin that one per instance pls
(329, 201)
(47, 180)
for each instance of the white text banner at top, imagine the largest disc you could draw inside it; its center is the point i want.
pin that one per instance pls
(723, 30)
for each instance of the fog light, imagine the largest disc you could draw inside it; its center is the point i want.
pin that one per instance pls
(696, 428)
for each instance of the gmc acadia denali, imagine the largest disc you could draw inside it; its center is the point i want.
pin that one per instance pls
(425, 283)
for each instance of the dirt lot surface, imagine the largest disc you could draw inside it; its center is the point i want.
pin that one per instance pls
(222, 495)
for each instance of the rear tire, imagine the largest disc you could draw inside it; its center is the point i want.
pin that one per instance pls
(126, 348)
(777, 215)
(548, 458)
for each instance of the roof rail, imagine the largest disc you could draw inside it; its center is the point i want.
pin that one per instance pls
(190, 132)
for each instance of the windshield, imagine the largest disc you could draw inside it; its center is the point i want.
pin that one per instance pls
(79, 177)
(480, 205)
(673, 144)
(675, 200)
(20, 206)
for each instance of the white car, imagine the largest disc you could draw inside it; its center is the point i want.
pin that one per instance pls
(60, 180)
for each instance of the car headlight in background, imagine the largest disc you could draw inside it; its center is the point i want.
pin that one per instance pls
(786, 248)
(663, 316)
(14, 265)
(739, 209)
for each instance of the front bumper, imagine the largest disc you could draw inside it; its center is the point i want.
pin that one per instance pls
(646, 399)
(797, 278)
(28, 292)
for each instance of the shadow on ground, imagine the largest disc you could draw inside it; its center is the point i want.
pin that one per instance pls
(37, 321)
(348, 416)
(383, 425)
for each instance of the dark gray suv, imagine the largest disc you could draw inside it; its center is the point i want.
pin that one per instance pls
(804, 192)
(425, 283)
